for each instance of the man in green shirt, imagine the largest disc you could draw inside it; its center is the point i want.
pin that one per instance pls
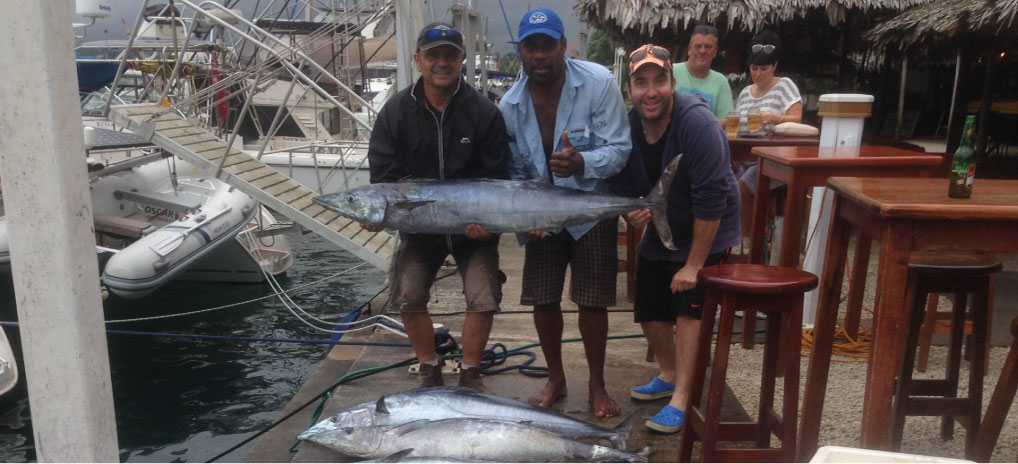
(694, 77)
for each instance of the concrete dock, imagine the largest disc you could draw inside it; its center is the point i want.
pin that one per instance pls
(626, 367)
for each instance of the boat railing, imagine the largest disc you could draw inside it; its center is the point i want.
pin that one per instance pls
(290, 59)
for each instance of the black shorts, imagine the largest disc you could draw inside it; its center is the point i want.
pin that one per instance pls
(654, 298)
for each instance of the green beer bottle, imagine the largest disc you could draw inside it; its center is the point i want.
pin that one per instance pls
(963, 167)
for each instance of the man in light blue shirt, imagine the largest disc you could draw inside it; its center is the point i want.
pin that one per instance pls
(567, 125)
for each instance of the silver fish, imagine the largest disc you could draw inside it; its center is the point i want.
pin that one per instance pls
(404, 456)
(457, 402)
(448, 206)
(480, 439)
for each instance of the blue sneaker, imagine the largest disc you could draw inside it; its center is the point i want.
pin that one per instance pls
(668, 421)
(654, 390)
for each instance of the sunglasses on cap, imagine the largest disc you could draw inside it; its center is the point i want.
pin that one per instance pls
(442, 33)
(660, 53)
(763, 48)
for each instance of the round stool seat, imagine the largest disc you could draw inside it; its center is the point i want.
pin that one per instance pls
(757, 279)
(954, 264)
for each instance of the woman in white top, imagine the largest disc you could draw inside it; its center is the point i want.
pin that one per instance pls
(777, 99)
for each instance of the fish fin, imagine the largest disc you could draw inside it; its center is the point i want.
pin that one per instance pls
(410, 426)
(380, 406)
(409, 205)
(397, 456)
(624, 429)
(659, 206)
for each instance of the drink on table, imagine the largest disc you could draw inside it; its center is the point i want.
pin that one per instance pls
(732, 125)
(753, 123)
(963, 166)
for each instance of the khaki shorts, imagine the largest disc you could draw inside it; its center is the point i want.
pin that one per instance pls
(419, 257)
(593, 259)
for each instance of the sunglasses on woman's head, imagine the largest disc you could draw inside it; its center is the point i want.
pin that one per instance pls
(763, 48)
(658, 52)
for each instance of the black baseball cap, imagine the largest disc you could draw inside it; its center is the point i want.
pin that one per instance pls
(438, 33)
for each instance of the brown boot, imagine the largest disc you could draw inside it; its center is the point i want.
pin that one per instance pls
(431, 376)
(471, 378)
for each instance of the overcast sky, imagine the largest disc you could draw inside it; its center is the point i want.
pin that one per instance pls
(125, 12)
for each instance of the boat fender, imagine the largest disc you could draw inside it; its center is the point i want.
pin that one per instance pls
(160, 264)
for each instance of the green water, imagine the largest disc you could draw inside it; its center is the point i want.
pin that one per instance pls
(180, 400)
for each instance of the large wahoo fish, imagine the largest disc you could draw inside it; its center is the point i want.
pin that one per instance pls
(457, 402)
(447, 207)
(475, 439)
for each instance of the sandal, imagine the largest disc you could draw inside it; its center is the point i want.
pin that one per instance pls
(654, 390)
(668, 421)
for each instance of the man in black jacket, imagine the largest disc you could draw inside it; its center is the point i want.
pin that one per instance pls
(442, 128)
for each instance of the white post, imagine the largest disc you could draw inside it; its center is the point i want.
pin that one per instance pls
(409, 21)
(843, 129)
(49, 215)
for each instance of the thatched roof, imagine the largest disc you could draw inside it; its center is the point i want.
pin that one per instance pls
(947, 21)
(642, 20)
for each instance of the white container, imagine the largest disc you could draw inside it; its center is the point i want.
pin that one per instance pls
(844, 454)
(93, 8)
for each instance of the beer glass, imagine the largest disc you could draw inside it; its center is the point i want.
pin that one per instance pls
(732, 125)
(753, 122)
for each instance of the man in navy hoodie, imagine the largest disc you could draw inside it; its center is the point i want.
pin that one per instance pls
(702, 212)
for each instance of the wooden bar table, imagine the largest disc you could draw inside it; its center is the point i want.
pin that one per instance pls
(905, 215)
(741, 147)
(802, 168)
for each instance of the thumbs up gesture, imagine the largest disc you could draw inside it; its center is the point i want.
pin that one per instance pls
(566, 162)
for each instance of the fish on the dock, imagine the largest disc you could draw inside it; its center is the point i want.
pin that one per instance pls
(448, 206)
(457, 402)
(479, 439)
(404, 456)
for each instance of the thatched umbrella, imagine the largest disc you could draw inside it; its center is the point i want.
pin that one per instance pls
(636, 21)
(946, 24)
(947, 21)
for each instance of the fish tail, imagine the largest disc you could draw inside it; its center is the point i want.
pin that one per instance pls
(659, 206)
(623, 430)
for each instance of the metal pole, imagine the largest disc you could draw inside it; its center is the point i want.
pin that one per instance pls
(123, 58)
(49, 218)
(954, 93)
(901, 97)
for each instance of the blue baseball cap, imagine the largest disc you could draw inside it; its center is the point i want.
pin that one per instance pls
(541, 21)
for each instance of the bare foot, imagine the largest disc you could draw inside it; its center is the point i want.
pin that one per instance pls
(549, 395)
(602, 404)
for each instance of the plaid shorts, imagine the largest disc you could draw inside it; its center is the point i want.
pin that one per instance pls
(593, 259)
(418, 258)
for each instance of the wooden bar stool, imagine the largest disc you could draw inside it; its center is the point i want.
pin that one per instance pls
(961, 274)
(777, 291)
(1000, 403)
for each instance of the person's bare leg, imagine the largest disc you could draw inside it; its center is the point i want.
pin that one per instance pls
(661, 338)
(594, 330)
(687, 334)
(422, 334)
(476, 328)
(548, 321)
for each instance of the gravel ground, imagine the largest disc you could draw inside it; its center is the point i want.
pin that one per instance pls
(843, 409)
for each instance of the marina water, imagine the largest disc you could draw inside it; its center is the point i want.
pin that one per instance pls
(187, 400)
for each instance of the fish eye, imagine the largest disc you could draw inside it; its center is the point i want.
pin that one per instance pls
(348, 430)
(350, 199)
